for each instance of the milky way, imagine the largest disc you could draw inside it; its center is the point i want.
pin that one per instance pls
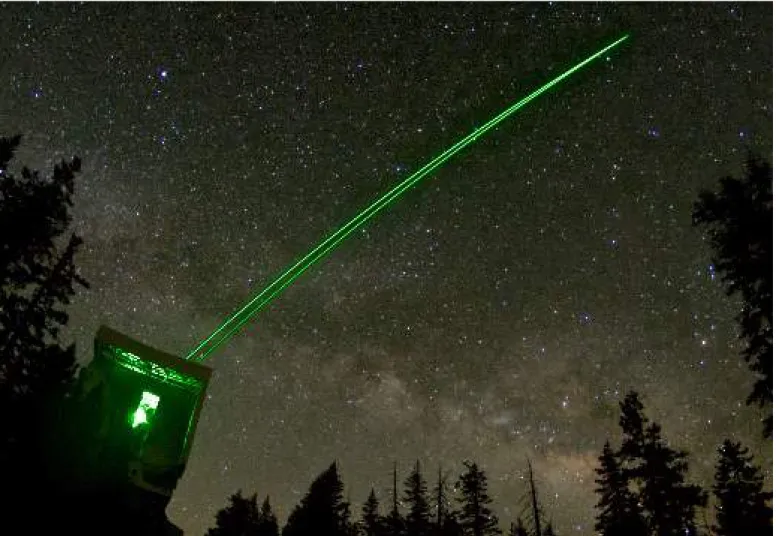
(499, 311)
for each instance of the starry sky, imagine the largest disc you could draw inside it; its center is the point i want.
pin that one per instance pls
(499, 311)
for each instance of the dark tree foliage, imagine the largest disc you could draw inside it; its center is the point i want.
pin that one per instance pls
(239, 518)
(417, 522)
(351, 525)
(518, 529)
(475, 516)
(670, 503)
(618, 508)
(394, 522)
(268, 522)
(450, 525)
(323, 511)
(548, 530)
(658, 471)
(739, 223)
(445, 523)
(440, 496)
(742, 505)
(632, 423)
(371, 523)
(38, 278)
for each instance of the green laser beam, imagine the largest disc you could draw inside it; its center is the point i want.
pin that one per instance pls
(238, 319)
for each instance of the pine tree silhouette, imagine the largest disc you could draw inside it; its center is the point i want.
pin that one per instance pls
(450, 525)
(37, 279)
(475, 517)
(417, 522)
(618, 509)
(441, 499)
(268, 523)
(670, 503)
(323, 511)
(632, 423)
(351, 525)
(518, 529)
(371, 523)
(658, 471)
(445, 523)
(535, 508)
(742, 505)
(239, 518)
(394, 522)
(738, 220)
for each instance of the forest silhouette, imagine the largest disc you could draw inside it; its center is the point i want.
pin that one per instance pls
(641, 484)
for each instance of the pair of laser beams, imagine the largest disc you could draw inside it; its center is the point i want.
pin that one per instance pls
(238, 319)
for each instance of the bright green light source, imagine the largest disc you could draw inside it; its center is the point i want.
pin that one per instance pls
(230, 326)
(148, 403)
(167, 375)
(139, 417)
(149, 400)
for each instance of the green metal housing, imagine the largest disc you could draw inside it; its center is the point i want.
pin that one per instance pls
(140, 407)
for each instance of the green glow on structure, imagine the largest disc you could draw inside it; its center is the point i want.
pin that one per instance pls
(132, 362)
(230, 326)
(148, 403)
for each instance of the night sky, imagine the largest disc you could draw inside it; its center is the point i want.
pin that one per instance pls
(498, 311)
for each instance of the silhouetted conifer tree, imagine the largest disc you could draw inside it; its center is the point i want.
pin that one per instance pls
(371, 523)
(668, 504)
(445, 523)
(450, 525)
(742, 505)
(739, 222)
(417, 522)
(632, 423)
(618, 508)
(475, 516)
(441, 498)
(38, 277)
(239, 518)
(322, 511)
(268, 522)
(394, 522)
(351, 525)
(518, 529)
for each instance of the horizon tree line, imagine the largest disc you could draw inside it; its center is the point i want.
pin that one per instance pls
(641, 488)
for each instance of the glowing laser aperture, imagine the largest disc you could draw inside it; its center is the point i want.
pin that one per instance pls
(148, 404)
(232, 324)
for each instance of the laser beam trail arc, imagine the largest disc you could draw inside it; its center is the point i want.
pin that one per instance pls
(238, 319)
